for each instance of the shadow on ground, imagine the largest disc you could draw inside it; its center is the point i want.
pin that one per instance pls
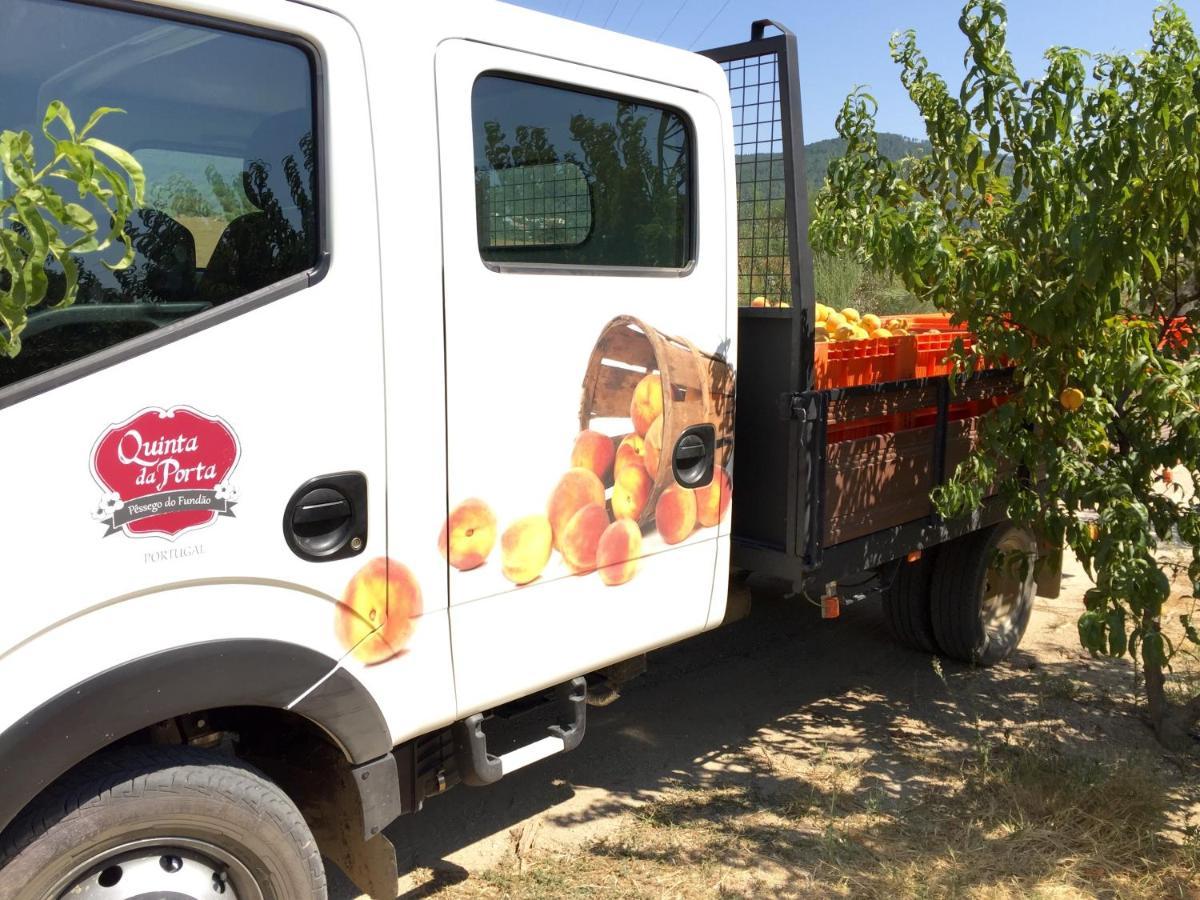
(737, 707)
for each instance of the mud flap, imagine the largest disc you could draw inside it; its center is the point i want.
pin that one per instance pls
(340, 814)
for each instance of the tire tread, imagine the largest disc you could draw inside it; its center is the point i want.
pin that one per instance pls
(129, 774)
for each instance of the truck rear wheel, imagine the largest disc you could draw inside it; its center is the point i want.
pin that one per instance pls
(906, 603)
(162, 822)
(982, 593)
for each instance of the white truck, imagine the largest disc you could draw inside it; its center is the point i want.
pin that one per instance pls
(411, 421)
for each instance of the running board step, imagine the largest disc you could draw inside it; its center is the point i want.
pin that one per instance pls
(479, 767)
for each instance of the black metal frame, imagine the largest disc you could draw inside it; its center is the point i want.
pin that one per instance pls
(801, 477)
(804, 559)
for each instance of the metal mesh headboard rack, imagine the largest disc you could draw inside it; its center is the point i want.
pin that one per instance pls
(774, 262)
(772, 195)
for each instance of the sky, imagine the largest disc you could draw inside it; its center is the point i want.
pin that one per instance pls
(844, 43)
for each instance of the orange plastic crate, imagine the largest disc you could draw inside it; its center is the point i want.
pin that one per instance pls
(932, 350)
(852, 363)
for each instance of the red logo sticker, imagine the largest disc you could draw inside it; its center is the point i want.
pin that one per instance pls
(165, 472)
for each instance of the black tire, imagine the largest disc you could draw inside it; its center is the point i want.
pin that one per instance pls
(185, 810)
(906, 603)
(982, 593)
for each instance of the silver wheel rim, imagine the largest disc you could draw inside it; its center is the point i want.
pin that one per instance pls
(160, 869)
(1006, 588)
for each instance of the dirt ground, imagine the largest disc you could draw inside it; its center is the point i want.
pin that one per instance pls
(789, 756)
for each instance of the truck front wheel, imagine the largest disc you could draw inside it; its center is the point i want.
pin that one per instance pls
(162, 822)
(982, 593)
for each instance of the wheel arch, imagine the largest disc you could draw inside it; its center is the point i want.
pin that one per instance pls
(133, 696)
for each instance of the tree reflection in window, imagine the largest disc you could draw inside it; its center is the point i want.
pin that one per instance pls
(633, 158)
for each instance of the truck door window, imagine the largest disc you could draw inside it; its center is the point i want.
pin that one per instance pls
(223, 125)
(570, 177)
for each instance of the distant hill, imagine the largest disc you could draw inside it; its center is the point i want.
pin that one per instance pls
(819, 154)
(760, 177)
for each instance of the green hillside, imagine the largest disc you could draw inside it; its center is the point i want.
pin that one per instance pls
(819, 154)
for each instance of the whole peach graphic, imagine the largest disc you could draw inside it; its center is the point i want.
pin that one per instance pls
(618, 552)
(675, 513)
(468, 535)
(631, 492)
(593, 451)
(647, 403)
(713, 499)
(525, 549)
(630, 452)
(582, 537)
(378, 611)
(575, 490)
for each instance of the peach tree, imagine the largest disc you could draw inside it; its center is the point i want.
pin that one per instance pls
(1058, 218)
(42, 231)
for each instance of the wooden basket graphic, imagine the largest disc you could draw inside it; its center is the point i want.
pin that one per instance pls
(697, 388)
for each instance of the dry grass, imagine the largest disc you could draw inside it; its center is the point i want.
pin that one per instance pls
(1007, 820)
(1037, 780)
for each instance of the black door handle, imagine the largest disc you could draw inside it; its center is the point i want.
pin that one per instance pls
(326, 518)
(321, 507)
(693, 457)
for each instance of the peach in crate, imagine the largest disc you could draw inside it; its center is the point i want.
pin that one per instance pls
(654, 440)
(631, 492)
(593, 451)
(630, 452)
(647, 402)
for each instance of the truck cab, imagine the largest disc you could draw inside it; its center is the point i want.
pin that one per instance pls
(412, 416)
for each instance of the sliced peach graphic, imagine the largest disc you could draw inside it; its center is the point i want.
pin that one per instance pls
(468, 535)
(582, 536)
(675, 513)
(575, 490)
(593, 451)
(713, 499)
(618, 552)
(631, 492)
(378, 611)
(647, 402)
(630, 452)
(525, 549)
(654, 439)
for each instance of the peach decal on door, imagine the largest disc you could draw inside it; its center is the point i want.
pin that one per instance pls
(378, 611)
(165, 472)
(618, 497)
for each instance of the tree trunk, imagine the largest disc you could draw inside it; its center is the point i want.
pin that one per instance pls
(1171, 722)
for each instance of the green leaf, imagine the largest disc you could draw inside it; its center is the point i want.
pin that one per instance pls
(1153, 260)
(57, 110)
(99, 113)
(125, 160)
(32, 215)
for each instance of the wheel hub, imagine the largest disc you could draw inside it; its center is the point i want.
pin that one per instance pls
(161, 872)
(1007, 586)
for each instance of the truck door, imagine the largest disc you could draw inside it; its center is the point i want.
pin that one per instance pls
(209, 420)
(588, 400)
